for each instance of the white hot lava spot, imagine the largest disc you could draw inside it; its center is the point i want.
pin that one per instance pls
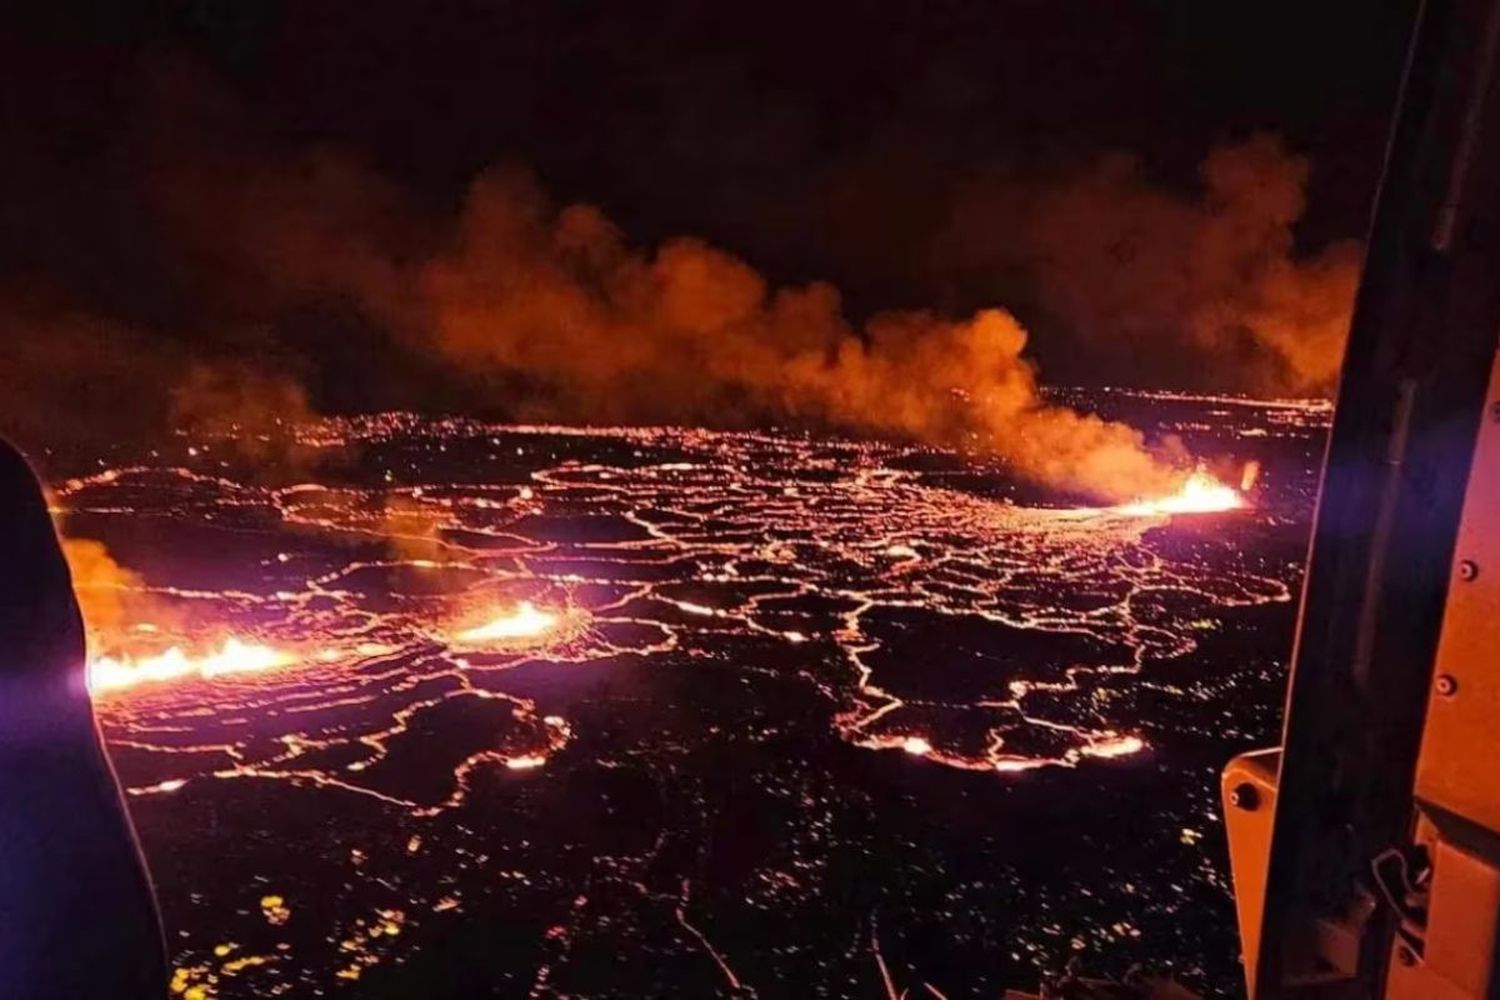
(160, 788)
(917, 746)
(1115, 746)
(525, 763)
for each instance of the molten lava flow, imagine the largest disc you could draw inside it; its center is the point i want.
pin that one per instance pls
(526, 621)
(110, 673)
(1200, 494)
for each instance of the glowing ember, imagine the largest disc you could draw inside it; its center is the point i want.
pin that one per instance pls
(1201, 494)
(527, 621)
(110, 673)
(160, 788)
(275, 910)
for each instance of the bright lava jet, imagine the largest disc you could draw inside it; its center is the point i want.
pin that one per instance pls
(109, 673)
(526, 621)
(1200, 494)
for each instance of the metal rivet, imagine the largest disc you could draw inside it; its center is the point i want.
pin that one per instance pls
(1244, 796)
(1468, 570)
(1447, 685)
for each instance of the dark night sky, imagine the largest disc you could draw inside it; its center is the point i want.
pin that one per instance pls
(816, 140)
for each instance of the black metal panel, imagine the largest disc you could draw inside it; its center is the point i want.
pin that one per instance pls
(1411, 397)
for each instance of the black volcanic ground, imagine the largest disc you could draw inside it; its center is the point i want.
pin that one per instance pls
(696, 784)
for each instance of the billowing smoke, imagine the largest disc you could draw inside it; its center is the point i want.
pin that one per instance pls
(548, 312)
(1129, 270)
(595, 329)
(304, 276)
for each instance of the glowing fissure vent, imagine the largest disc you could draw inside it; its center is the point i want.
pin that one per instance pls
(526, 621)
(111, 673)
(1200, 494)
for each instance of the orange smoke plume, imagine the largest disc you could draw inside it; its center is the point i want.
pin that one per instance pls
(1132, 271)
(540, 311)
(598, 330)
